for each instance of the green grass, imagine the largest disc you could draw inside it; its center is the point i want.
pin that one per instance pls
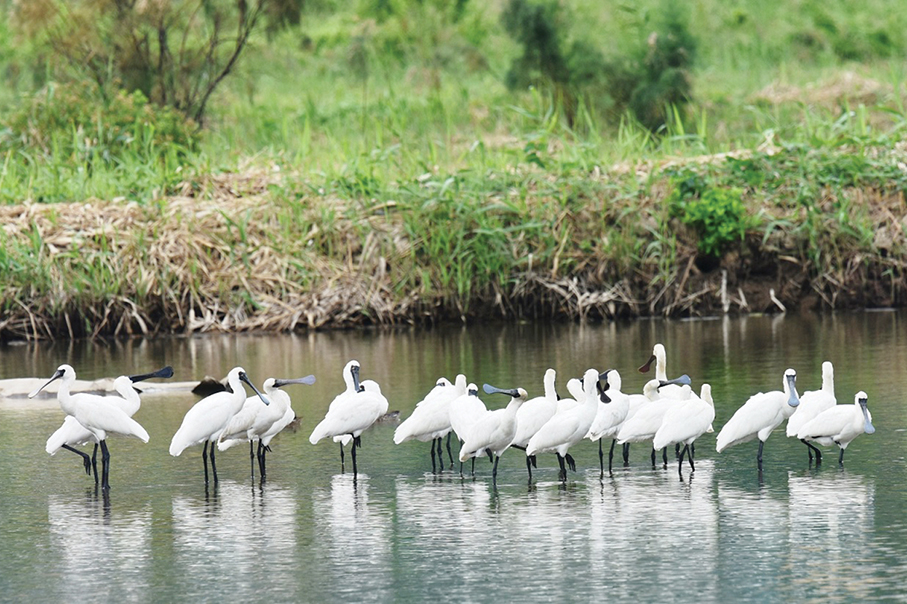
(393, 139)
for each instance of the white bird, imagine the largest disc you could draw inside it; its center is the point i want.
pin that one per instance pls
(257, 422)
(659, 357)
(812, 403)
(759, 415)
(430, 420)
(96, 413)
(533, 414)
(206, 420)
(839, 425)
(610, 417)
(648, 418)
(684, 422)
(566, 428)
(72, 434)
(351, 412)
(494, 431)
(465, 410)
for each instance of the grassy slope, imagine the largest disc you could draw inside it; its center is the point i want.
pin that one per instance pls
(412, 186)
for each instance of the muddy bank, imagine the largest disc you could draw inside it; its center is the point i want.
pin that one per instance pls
(255, 252)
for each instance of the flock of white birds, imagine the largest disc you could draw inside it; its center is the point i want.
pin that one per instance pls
(667, 413)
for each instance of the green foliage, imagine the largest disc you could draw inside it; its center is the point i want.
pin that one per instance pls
(715, 213)
(175, 54)
(547, 60)
(659, 78)
(69, 143)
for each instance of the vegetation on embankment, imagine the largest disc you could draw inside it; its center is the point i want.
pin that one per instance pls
(266, 251)
(365, 168)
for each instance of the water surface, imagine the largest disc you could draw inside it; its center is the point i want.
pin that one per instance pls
(399, 533)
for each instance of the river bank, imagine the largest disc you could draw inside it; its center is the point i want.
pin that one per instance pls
(264, 250)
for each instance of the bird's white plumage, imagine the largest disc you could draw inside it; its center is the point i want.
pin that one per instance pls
(686, 420)
(566, 428)
(840, 424)
(759, 415)
(814, 402)
(648, 416)
(74, 434)
(465, 410)
(206, 420)
(610, 416)
(352, 411)
(535, 413)
(96, 414)
(431, 417)
(494, 430)
(255, 420)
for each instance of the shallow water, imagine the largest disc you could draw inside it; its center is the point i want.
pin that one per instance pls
(399, 533)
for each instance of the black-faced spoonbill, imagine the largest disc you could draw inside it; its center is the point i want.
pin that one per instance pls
(566, 428)
(812, 403)
(533, 414)
(206, 420)
(430, 420)
(95, 413)
(610, 418)
(72, 434)
(648, 418)
(684, 422)
(494, 431)
(839, 425)
(464, 411)
(759, 415)
(259, 423)
(351, 413)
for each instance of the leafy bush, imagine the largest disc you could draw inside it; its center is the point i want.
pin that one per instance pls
(652, 82)
(175, 53)
(716, 214)
(73, 125)
(547, 61)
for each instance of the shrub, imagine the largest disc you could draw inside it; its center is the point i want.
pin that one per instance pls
(715, 213)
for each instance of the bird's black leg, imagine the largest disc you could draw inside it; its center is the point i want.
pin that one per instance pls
(440, 455)
(653, 457)
(205, 460)
(692, 453)
(611, 455)
(626, 452)
(676, 451)
(563, 472)
(94, 462)
(342, 461)
(841, 458)
(473, 470)
(494, 471)
(680, 461)
(262, 451)
(86, 460)
(353, 449)
(433, 464)
(601, 460)
(252, 457)
(664, 456)
(529, 466)
(690, 458)
(105, 466)
(759, 455)
(571, 463)
(812, 448)
(461, 463)
(449, 454)
(213, 466)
